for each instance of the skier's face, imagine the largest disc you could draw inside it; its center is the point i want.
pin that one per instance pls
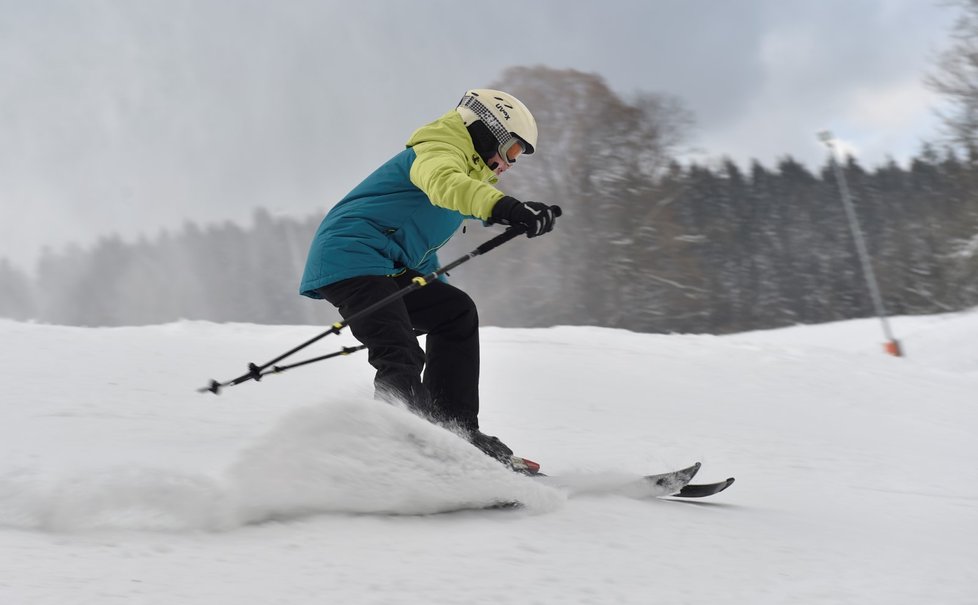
(498, 165)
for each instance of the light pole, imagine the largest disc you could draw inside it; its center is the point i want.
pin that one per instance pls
(892, 345)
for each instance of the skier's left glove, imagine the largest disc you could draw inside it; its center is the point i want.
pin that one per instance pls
(535, 217)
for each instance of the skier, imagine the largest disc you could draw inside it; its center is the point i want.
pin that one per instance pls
(386, 232)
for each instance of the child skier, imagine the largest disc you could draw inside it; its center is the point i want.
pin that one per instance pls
(386, 232)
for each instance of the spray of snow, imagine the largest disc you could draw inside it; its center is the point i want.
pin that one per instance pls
(370, 457)
(347, 456)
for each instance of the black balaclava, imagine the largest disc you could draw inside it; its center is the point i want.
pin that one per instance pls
(486, 145)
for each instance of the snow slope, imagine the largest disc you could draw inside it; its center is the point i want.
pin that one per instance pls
(856, 481)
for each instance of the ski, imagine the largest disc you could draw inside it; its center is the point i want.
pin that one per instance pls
(649, 486)
(703, 490)
(674, 484)
(663, 484)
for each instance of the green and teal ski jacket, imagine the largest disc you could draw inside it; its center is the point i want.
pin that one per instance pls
(398, 217)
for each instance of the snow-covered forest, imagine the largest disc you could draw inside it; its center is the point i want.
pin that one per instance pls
(645, 243)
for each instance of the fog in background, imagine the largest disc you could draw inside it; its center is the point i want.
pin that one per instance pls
(132, 116)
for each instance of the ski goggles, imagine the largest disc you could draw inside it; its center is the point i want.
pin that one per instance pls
(510, 150)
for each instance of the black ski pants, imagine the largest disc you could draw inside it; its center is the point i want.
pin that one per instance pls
(449, 388)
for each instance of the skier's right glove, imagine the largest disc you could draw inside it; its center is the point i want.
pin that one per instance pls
(535, 217)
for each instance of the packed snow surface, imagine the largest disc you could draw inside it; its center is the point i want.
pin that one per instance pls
(856, 474)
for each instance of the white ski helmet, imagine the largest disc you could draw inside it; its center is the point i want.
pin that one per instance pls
(506, 117)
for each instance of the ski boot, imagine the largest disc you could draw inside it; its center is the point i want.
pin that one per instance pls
(491, 446)
(494, 448)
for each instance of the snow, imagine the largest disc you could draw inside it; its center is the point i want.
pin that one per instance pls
(856, 481)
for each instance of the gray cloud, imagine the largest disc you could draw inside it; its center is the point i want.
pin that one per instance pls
(129, 117)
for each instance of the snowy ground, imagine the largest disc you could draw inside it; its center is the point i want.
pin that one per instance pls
(856, 474)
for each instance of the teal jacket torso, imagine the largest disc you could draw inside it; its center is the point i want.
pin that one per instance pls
(398, 217)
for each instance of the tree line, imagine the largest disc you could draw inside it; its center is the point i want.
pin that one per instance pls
(722, 250)
(646, 243)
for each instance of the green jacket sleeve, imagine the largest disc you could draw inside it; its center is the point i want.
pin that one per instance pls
(443, 172)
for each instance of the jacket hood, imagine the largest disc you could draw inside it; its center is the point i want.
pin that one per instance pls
(450, 129)
(447, 129)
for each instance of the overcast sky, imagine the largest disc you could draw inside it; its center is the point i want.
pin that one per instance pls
(129, 116)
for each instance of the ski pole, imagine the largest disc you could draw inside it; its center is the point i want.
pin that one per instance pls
(280, 369)
(299, 364)
(255, 372)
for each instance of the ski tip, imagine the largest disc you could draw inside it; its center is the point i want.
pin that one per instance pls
(703, 490)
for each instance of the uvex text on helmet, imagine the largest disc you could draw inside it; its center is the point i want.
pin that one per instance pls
(507, 117)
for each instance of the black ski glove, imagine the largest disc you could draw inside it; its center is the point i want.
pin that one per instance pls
(536, 217)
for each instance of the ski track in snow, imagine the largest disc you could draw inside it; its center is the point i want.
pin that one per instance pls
(120, 483)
